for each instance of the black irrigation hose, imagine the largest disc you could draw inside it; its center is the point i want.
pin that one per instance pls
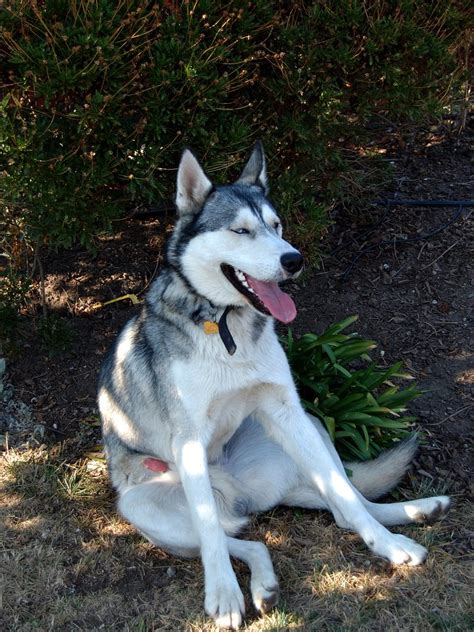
(401, 202)
(460, 204)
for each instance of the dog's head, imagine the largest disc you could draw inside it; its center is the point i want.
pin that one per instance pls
(228, 241)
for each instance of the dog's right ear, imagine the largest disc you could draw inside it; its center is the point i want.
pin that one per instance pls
(193, 186)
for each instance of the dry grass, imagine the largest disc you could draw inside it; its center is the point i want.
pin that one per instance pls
(70, 563)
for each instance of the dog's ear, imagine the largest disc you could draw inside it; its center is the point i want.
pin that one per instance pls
(255, 171)
(193, 186)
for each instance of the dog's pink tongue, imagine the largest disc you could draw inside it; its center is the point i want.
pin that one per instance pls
(279, 304)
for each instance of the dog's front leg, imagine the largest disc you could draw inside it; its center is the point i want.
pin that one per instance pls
(286, 422)
(224, 600)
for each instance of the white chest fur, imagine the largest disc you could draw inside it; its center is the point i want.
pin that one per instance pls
(219, 390)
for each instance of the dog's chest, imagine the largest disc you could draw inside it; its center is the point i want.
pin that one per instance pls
(220, 390)
(236, 388)
(226, 413)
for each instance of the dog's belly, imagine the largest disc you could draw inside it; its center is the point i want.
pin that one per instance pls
(226, 413)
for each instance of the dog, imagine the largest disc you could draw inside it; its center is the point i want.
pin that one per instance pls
(202, 423)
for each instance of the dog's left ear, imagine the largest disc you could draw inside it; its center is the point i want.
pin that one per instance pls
(255, 171)
(192, 186)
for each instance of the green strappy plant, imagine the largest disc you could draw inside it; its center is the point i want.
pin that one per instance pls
(361, 407)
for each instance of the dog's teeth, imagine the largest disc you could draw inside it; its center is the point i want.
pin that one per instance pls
(245, 283)
(243, 279)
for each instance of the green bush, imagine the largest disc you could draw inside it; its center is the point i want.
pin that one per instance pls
(363, 411)
(13, 291)
(100, 97)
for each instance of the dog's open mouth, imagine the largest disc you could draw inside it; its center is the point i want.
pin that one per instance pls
(266, 296)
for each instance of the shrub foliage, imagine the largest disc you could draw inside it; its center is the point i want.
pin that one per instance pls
(99, 97)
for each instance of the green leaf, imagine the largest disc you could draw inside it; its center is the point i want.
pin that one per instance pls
(330, 424)
(354, 349)
(342, 370)
(344, 324)
(330, 353)
(350, 401)
(353, 416)
(331, 401)
(381, 409)
(358, 438)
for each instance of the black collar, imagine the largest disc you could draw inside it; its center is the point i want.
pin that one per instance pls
(224, 332)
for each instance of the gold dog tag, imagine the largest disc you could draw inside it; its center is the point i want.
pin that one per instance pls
(210, 327)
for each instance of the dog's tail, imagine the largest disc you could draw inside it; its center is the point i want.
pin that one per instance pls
(375, 478)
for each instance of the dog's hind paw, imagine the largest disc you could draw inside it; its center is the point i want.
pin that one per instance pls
(430, 509)
(265, 598)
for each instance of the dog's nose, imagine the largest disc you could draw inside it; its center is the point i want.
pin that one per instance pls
(292, 262)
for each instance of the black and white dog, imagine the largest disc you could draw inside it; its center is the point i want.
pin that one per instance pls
(202, 422)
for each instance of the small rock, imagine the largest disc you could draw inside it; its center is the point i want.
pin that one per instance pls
(38, 432)
(425, 473)
(7, 393)
(171, 571)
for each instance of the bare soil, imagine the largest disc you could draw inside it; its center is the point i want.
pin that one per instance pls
(73, 565)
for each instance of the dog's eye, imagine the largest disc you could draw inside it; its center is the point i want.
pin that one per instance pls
(240, 231)
(277, 225)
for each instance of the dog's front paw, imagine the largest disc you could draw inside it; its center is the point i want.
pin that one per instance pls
(400, 550)
(225, 602)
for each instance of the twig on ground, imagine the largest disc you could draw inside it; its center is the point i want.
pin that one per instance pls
(437, 423)
(421, 250)
(158, 261)
(442, 254)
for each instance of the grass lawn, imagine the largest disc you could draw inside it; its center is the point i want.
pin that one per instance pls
(69, 562)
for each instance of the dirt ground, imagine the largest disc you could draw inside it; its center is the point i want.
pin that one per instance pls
(70, 563)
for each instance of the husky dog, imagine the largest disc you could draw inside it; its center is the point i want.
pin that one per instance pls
(201, 419)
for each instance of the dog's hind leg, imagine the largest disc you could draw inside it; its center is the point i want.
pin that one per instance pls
(263, 583)
(158, 509)
(388, 514)
(420, 510)
(270, 477)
